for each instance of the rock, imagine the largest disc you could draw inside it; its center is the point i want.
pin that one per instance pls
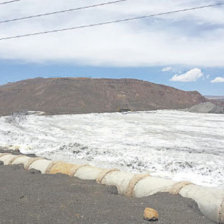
(207, 107)
(33, 171)
(112, 190)
(151, 214)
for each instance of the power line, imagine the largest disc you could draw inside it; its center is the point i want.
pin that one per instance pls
(8, 2)
(61, 11)
(110, 22)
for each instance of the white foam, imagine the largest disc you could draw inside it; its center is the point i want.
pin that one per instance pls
(174, 144)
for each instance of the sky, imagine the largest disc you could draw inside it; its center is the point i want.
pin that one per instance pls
(184, 50)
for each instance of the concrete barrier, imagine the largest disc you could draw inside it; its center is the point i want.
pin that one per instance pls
(210, 200)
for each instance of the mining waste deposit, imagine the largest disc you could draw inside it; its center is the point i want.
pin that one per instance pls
(175, 144)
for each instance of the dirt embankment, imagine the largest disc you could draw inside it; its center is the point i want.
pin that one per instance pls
(30, 197)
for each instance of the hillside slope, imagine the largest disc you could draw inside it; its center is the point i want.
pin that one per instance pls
(84, 95)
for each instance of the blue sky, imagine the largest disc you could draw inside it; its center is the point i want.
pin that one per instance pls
(14, 71)
(184, 50)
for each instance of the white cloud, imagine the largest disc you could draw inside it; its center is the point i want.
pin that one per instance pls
(191, 76)
(172, 39)
(218, 80)
(167, 69)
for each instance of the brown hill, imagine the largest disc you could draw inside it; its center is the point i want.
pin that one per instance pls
(84, 95)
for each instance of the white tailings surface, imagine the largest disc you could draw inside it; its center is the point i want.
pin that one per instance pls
(173, 144)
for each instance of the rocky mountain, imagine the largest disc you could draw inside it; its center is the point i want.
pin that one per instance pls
(85, 95)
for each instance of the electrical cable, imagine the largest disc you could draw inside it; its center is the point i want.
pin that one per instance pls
(110, 22)
(8, 2)
(61, 11)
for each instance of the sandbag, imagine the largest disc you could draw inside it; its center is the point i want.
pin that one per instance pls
(87, 172)
(152, 185)
(119, 179)
(63, 168)
(132, 183)
(41, 165)
(3, 154)
(21, 160)
(6, 159)
(210, 200)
